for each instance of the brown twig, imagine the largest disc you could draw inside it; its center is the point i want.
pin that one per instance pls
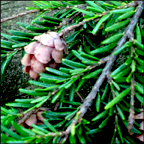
(79, 95)
(101, 61)
(18, 15)
(66, 30)
(34, 11)
(24, 117)
(88, 101)
(132, 4)
(131, 116)
(27, 115)
(110, 60)
(24, 13)
(131, 36)
(66, 21)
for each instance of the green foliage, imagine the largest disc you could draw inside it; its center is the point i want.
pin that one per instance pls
(63, 90)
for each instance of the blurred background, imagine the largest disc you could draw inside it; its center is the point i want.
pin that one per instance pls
(14, 78)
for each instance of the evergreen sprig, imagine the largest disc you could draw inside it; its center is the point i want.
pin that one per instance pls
(102, 32)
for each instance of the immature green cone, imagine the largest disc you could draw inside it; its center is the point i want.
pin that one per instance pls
(48, 51)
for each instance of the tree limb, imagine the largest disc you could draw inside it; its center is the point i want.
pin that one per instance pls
(131, 119)
(131, 116)
(88, 100)
(66, 30)
(34, 11)
(110, 60)
(131, 36)
(18, 15)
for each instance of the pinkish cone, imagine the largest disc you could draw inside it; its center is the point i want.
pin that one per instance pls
(33, 74)
(57, 55)
(43, 54)
(59, 45)
(37, 66)
(26, 60)
(46, 39)
(31, 47)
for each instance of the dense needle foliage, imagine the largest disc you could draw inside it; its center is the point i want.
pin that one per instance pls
(103, 49)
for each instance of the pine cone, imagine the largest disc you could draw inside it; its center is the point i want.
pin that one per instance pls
(48, 50)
